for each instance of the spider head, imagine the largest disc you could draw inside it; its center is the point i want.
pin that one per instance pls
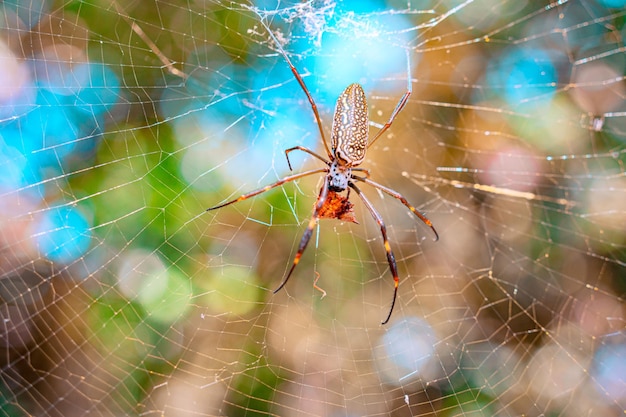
(338, 176)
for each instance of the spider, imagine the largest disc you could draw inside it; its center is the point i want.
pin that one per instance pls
(349, 142)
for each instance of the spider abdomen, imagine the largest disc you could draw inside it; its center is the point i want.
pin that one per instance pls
(350, 126)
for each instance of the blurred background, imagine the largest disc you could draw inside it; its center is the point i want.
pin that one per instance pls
(121, 123)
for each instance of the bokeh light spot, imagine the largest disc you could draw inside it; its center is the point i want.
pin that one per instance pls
(63, 234)
(101, 91)
(234, 290)
(163, 293)
(610, 370)
(408, 352)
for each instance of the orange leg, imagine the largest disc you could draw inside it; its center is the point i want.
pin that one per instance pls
(307, 233)
(391, 259)
(403, 200)
(269, 187)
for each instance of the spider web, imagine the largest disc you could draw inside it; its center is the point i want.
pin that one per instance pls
(121, 123)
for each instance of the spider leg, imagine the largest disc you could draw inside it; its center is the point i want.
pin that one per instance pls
(403, 200)
(401, 103)
(301, 82)
(307, 233)
(391, 259)
(269, 187)
(365, 171)
(303, 149)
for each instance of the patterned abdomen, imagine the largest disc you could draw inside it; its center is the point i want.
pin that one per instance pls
(350, 126)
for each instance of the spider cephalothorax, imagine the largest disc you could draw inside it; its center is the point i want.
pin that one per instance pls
(349, 143)
(339, 176)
